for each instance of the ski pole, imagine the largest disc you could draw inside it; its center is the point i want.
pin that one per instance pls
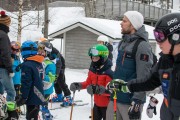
(92, 107)
(72, 106)
(115, 105)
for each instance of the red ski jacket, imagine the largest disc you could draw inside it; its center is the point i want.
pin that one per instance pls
(101, 77)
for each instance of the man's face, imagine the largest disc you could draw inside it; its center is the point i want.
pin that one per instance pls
(126, 26)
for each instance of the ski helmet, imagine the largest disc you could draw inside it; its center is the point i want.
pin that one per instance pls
(101, 51)
(28, 48)
(168, 27)
(46, 46)
(15, 46)
(103, 38)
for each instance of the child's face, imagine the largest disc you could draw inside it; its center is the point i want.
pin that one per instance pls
(95, 59)
(165, 46)
(100, 42)
(15, 51)
(41, 52)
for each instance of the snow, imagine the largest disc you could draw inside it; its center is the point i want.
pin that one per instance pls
(57, 16)
(108, 27)
(83, 112)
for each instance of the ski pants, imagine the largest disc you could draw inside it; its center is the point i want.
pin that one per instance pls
(166, 114)
(121, 112)
(60, 84)
(99, 112)
(32, 112)
(6, 84)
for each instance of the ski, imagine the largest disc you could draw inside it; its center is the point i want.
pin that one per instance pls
(60, 107)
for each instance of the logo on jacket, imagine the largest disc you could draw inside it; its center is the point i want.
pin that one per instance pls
(165, 75)
(144, 57)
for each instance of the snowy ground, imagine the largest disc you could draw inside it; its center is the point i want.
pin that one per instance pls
(83, 112)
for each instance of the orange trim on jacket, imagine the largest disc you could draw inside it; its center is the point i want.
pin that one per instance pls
(98, 79)
(37, 58)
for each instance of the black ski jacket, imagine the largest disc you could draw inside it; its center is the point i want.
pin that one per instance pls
(5, 49)
(166, 74)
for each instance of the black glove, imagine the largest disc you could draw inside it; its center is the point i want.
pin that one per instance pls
(75, 86)
(20, 101)
(18, 68)
(95, 89)
(134, 110)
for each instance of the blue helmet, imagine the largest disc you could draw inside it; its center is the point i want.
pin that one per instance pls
(29, 48)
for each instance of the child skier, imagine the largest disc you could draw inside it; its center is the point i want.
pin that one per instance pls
(15, 49)
(44, 49)
(99, 75)
(31, 80)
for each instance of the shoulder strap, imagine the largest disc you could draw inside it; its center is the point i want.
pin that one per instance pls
(135, 47)
(120, 44)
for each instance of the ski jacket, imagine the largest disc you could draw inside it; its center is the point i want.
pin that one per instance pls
(56, 55)
(99, 77)
(17, 72)
(166, 74)
(50, 75)
(31, 80)
(5, 49)
(129, 67)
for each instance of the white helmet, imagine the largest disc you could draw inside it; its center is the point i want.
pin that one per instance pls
(103, 38)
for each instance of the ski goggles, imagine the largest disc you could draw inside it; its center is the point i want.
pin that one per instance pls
(159, 36)
(94, 52)
(16, 50)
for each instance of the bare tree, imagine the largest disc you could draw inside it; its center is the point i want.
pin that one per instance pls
(20, 20)
(46, 19)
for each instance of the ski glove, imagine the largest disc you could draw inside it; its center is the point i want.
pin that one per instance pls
(95, 89)
(119, 85)
(151, 107)
(134, 110)
(75, 86)
(11, 75)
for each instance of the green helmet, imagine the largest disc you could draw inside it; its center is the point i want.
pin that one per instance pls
(99, 50)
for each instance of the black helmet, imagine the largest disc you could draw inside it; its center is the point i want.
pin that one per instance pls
(168, 27)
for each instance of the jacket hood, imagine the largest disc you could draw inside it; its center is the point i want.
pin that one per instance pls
(142, 33)
(37, 58)
(139, 34)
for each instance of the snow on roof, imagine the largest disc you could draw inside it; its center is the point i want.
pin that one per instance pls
(110, 28)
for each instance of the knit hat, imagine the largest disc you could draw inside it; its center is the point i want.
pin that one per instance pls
(135, 18)
(4, 19)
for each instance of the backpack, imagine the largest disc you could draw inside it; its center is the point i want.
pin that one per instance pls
(134, 50)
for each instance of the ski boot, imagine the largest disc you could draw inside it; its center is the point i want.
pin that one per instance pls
(58, 98)
(3, 108)
(46, 115)
(67, 101)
